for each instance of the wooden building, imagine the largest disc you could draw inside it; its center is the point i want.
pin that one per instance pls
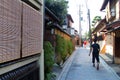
(21, 40)
(112, 8)
(52, 28)
(100, 33)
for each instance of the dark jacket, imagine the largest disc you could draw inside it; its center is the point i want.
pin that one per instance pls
(96, 48)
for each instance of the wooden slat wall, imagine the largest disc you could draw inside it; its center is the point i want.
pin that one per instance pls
(32, 29)
(10, 30)
(117, 33)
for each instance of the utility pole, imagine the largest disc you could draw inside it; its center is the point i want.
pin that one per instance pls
(89, 27)
(88, 16)
(80, 35)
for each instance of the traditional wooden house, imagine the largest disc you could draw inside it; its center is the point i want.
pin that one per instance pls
(100, 33)
(52, 28)
(21, 38)
(113, 27)
(71, 30)
(77, 39)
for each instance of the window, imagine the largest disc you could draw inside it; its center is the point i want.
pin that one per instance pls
(112, 8)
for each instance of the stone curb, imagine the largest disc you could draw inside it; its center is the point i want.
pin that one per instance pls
(109, 68)
(66, 67)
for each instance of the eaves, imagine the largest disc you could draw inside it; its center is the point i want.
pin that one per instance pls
(47, 11)
(100, 26)
(104, 4)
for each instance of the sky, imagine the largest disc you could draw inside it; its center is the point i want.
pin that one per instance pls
(80, 6)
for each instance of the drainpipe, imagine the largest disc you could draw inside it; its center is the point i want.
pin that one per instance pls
(41, 60)
(41, 64)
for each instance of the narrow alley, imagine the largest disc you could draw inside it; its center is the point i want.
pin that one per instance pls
(79, 67)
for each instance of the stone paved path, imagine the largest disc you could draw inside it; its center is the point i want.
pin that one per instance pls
(79, 67)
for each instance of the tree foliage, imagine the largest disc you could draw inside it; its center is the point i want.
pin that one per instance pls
(58, 7)
(86, 35)
(95, 20)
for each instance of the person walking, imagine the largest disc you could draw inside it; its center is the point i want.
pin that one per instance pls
(95, 49)
(85, 43)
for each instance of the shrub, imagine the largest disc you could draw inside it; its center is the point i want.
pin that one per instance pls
(64, 53)
(70, 47)
(49, 57)
(63, 48)
(58, 49)
(50, 76)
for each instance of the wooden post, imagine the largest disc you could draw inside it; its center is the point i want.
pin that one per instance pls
(113, 34)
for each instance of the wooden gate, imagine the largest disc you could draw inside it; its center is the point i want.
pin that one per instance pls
(117, 44)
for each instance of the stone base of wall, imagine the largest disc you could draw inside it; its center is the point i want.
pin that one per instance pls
(117, 60)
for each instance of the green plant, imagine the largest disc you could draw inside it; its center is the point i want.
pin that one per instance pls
(58, 49)
(63, 48)
(49, 57)
(70, 47)
(95, 20)
(50, 76)
(64, 52)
